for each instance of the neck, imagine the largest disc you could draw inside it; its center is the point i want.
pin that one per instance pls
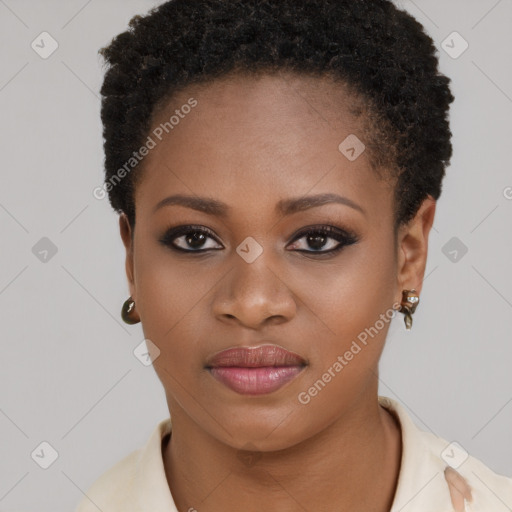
(351, 465)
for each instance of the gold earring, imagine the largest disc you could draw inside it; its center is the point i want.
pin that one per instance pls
(128, 313)
(410, 301)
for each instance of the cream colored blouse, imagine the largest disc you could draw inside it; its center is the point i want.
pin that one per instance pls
(435, 476)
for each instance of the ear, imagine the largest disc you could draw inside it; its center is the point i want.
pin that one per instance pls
(412, 243)
(126, 236)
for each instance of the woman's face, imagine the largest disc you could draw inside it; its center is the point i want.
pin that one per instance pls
(257, 267)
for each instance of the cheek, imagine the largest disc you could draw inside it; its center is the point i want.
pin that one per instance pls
(168, 297)
(355, 306)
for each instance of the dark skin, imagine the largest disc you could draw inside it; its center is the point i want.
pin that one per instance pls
(251, 143)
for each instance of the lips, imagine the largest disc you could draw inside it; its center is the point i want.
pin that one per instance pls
(253, 357)
(255, 370)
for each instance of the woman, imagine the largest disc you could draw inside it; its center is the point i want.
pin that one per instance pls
(276, 166)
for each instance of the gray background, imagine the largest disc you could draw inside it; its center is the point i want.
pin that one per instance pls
(69, 376)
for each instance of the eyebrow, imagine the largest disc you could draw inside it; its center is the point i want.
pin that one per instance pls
(283, 207)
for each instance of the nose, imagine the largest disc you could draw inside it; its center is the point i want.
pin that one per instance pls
(254, 295)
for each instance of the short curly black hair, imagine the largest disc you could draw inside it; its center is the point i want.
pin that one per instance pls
(378, 51)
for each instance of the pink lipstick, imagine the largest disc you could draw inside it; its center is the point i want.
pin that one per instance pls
(255, 370)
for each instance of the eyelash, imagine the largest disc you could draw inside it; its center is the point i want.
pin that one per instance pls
(343, 237)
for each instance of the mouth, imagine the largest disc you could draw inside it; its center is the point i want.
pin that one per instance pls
(255, 370)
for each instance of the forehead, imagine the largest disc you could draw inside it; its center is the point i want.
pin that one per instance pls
(261, 103)
(254, 137)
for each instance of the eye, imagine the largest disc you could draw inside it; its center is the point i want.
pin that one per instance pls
(189, 239)
(318, 239)
(195, 239)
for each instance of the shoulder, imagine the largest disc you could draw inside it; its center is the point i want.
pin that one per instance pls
(108, 492)
(438, 472)
(135, 483)
(489, 491)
